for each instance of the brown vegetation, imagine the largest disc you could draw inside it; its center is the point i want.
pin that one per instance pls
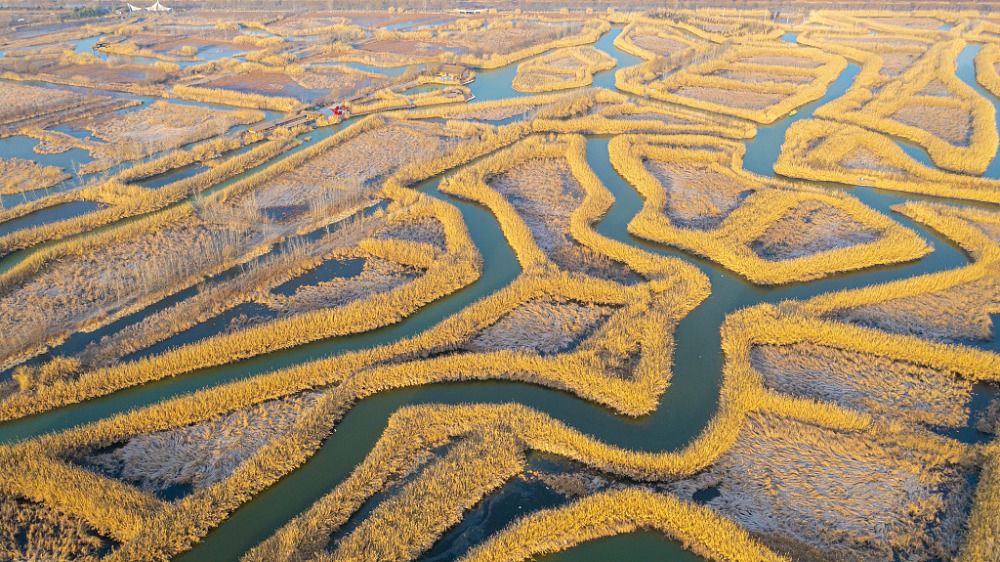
(986, 68)
(100, 280)
(894, 388)
(715, 24)
(561, 69)
(239, 99)
(196, 456)
(157, 128)
(958, 130)
(698, 79)
(652, 41)
(759, 229)
(21, 101)
(33, 531)
(829, 151)
(819, 446)
(406, 525)
(596, 111)
(18, 176)
(505, 41)
(445, 274)
(831, 502)
(618, 512)
(123, 199)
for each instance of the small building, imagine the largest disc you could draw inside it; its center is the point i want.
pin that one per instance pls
(469, 7)
(454, 72)
(157, 7)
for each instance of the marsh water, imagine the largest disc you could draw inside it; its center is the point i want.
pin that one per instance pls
(688, 404)
(20, 146)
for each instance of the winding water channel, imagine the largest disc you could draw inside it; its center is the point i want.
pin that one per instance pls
(686, 407)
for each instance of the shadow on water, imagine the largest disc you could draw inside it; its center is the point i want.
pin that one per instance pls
(330, 269)
(49, 215)
(639, 546)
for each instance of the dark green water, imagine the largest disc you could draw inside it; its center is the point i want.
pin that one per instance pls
(688, 404)
(685, 409)
(633, 547)
(48, 215)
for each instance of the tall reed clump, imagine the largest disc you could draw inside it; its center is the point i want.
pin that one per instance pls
(239, 99)
(758, 210)
(169, 527)
(388, 99)
(612, 113)
(590, 33)
(459, 266)
(130, 298)
(432, 425)
(125, 199)
(51, 534)
(637, 332)
(716, 25)
(18, 176)
(597, 111)
(741, 393)
(982, 30)
(471, 183)
(881, 58)
(129, 48)
(259, 41)
(983, 527)
(823, 150)
(182, 411)
(482, 110)
(986, 68)
(446, 274)
(167, 414)
(406, 525)
(180, 249)
(561, 69)
(698, 85)
(627, 39)
(969, 228)
(23, 102)
(917, 23)
(251, 285)
(892, 109)
(617, 512)
(155, 129)
(147, 527)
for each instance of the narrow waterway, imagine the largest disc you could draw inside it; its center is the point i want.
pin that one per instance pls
(686, 407)
(965, 69)
(14, 258)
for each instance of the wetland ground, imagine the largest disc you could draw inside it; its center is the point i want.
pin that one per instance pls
(342, 285)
